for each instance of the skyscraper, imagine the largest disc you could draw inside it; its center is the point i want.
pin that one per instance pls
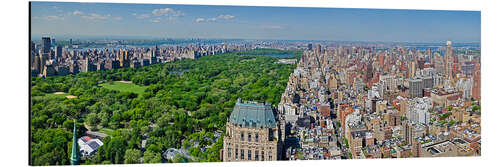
(416, 86)
(124, 59)
(476, 89)
(154, 54)
(369, 71)
(448, 59)
(58, 51)
(46, 45)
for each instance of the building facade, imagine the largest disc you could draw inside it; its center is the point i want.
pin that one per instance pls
(252, 133)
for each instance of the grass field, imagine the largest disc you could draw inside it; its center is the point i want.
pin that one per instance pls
(106, 130)
(124, 87)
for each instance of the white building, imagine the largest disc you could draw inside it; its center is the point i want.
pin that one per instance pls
(465, 85)
(88, 146)
(418, 110)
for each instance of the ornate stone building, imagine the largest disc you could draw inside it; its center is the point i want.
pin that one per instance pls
(252, 133)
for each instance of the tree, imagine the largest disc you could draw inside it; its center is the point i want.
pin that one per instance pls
(132, 156)
(179, 158)
(173, 107)
(152, 157)
(452, 122)
(115, 149)
(476, 108)
(92, 119)
(104, 118)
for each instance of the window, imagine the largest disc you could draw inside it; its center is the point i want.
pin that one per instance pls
(229, 151)
(270, 156)
(242, 137)
(249, 137)
(242, 154)
(256, 155)
(236, 152)
(256, 137)
(262, 156)
(249, 154)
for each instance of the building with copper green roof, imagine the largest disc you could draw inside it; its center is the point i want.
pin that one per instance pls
(252, 133)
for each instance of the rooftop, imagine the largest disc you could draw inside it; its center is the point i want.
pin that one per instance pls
(253, 115)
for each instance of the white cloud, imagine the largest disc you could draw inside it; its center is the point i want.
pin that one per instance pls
(158, 15)
(198, 20)
(95, 16)
(220, 17)
(226, 17)
(141, 16)
(118, 18)
(167, 12)
(77, 12)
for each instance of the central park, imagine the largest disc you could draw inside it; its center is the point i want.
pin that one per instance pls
(179, 104)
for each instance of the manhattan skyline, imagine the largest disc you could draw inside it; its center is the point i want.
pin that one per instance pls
(108, 20)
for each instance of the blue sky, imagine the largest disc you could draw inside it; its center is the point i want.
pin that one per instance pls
(61, 20)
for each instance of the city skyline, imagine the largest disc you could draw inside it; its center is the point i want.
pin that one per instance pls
(106, 20)
(149, 83)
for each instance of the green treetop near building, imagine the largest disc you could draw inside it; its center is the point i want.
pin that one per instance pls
(252, 114)
(75, 153)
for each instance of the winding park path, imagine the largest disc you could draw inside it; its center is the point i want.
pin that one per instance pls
(93, 133)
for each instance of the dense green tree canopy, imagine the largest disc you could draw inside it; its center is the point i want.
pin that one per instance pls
(185, 102)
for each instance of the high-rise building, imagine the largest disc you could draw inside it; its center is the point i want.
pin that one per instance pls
(416, 87)
(252, 133)
(428, 82)
(154, 53)
(476, 88)
(58, 52)
(408, 132)
(467, 69)
(49, 70)
(46, 45)
(412, 69)
(43, 60)
(318, 49)
(449, 60)
(429, 54)
(369, 71)
(124, 59)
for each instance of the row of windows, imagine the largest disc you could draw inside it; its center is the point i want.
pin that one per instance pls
(249, 138)
(249, 154)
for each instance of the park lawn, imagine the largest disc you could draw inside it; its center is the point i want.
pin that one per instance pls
(124, 87)
(107, 131)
